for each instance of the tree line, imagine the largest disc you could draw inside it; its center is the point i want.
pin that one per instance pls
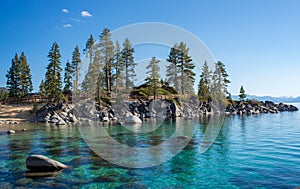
(111, 70)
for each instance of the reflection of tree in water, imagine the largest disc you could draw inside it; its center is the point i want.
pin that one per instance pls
(243, 127)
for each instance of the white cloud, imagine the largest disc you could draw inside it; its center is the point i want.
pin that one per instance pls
(67, 25)
(65, 10)
(85, 14)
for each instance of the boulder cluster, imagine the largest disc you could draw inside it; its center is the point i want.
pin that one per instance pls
(59, 114)
(257, 107)
(138, 111)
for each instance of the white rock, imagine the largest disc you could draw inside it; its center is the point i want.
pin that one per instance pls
(132, 119)
(11, 132)
(105, 119)
(60, 122)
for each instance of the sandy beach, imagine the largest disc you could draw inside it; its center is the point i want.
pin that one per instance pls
(18, 112)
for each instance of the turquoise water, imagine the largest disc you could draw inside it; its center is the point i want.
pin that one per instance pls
(259, 151)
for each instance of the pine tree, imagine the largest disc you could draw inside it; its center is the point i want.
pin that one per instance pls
(106, 49)
(53, 81)
(129, 65)
(25, 76)
(220, 84)
(13, 78)
(75, 66)
(172, 68)
(185, 65)
(242, 94)
(118, 68)
(89, 48)
(206, 75)
(153, 79)
(204, 84)
(3, 95)
(68, 78)
(87, 84)
(203, 92)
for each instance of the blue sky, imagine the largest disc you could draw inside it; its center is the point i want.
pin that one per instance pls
(259, 41)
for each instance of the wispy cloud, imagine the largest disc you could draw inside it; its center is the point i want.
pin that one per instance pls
(65, 10)
(85, 14)
(67, 25)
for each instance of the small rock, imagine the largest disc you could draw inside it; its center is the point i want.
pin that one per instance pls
(60, 122)
(105, 119)
(11, 132)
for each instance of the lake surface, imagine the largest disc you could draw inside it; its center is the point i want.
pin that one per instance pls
(257, 151)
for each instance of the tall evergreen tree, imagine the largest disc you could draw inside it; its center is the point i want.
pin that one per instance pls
(106, 49)
(25, 76)
(76, 63)
(220, 83)
(242, 94)
(172, 68)
(185, 65)
(68, 78)
(13, 78)
(154, 78)
(119, 68)
(53, 81)
(129, 64)
(203, 92)
(204, 84)
(206, 75)
(89, 48)
(89, 51)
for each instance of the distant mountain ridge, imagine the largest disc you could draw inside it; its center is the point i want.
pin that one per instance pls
(270, 98)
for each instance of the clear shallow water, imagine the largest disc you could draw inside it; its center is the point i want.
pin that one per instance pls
(259, 151)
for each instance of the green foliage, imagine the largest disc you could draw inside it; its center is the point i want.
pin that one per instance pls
(146, 90)
(206, 75)
(13, 77)
(220, 83)
(19, 77)
(118, 66)
(154, 77)
(242, 94)
(68, 78)
(172, 68)
(203, 92)
(87, 84)
(186, 69)
(180, 72)
(106, 51)
(204, 84)
(75, 66)
(3, 94)
(53, 81)
(25, 76)
(89, 48)
(129, 65)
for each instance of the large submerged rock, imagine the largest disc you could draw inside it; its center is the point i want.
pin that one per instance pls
(42, 163)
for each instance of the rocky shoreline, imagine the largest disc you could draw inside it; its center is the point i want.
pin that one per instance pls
(138, 111)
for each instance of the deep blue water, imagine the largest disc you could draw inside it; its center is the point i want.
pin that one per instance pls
(257, 151)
